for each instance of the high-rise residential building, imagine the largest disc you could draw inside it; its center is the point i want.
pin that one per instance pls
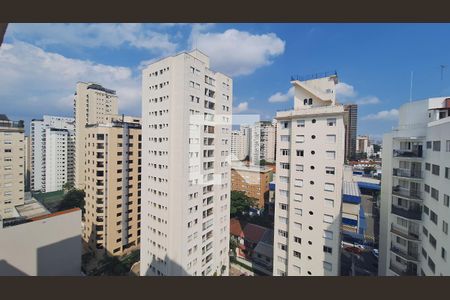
(310, 159)
(113, 186)
(92, 104)
(186, 132)
(252, 180)
(351, 130)
(362, 144)
(415, 191)
(27, 166)
(12, 161)
(262, 142)
(52, 153)
(240, 143)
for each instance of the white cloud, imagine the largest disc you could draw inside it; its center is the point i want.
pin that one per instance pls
(236, 52)
(33, 79)
(382, 115)
(345, 90)
(243, 106)
(93, 36)
(368, 100)
(280, 97)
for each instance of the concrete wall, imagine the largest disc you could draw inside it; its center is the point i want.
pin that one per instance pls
(46, 247)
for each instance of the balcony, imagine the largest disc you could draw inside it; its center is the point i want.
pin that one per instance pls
(415, 174)
(410, 234)
(417, 153)
(413, 194)
(409, 213)
(410, 269)
(409, 254)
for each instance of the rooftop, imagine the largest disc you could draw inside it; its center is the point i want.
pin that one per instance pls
(31, 208)
(250, 168)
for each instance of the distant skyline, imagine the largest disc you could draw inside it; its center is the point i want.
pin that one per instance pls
(41, 63)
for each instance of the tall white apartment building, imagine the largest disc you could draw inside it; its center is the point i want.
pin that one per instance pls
(310, 162)
(52, 153)
(262, 142)
(415, 191)
(12, 161)
(186, 132)
(240, 143)
(362, 143)
(93, 104)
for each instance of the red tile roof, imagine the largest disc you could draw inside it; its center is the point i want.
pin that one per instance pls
(236, 227)
(253, 232)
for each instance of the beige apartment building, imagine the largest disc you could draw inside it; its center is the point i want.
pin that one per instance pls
(112, 185)
(12, 163)
(253, 180)
(92, 104)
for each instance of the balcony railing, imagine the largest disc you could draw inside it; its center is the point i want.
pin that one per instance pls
(409, 254)
(407, 173)
(408, 153)
(409, 270)
(407, 193)
(411, 213)
(409, 234)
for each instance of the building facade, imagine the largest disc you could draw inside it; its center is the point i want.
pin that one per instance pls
(186, 134)
(351, 130)
(113, 186)
(310, 159)
(362, 144)
(415, 191)
(52, 153)
(92, 104)
(262, 142)
(12, 162)
(252, 180)
(240, 143)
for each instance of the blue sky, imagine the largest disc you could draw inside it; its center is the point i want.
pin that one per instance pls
(41, 63)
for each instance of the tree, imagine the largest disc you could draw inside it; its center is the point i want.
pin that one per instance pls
(262, 162)
(68, 186)
(240, 203)
(73, 198)
(376, 148)
(111, 265)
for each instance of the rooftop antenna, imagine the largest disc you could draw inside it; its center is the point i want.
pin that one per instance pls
(411, 87)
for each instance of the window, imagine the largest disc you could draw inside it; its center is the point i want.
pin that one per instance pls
(300, 123)
(327, 249)
(300, 153)
(282, 233)
(433, 217)
(331, 138)
(298, 211)
(284, 152)
(284, 125)
(424, 253)
(446, 200)
(432, 241)
(300, 139)
(298, 183)
(283, 206)
(329, 170)
(331, 122)
(427, 166)
(445, 227)
(443, 254)
(429, 145)
(435, 170)
(284, 166)
(434, 194)
(426, 210)
(285, 138)
(297, 226)
(297, 240)
(331, 154)
(284, 179)
(425, 231)
(282, 246)
(299, 168)
(329, 187)
(297, 269)
(447, 146)
(328, 219)
(327, 266)
(297, 254)
(401, 241)
(436, 145)
(431, 264)
(329, 202)
(298, 197)
(447, 173)
(282, 220)
(327, 234)
(426, 187)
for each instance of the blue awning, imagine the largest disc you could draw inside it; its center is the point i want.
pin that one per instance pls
(362, 221)
(349, 222)
(352, 237)
(369, 186)
(351, 199)
(272, 186)
(351, 193)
